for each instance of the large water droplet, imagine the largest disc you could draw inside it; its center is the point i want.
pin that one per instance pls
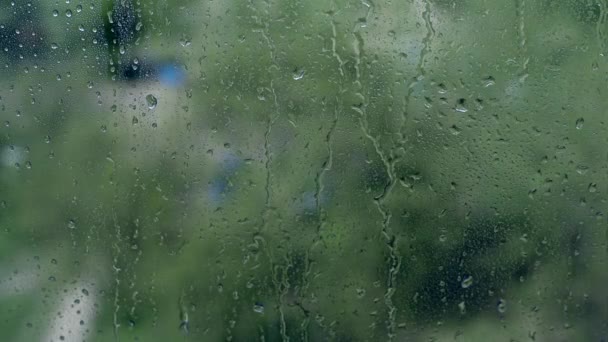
(151, 101)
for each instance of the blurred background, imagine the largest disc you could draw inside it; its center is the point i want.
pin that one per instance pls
(290, 170)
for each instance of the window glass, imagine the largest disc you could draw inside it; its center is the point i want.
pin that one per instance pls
(303, 170)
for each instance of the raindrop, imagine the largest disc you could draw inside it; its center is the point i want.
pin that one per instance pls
(259, 308)
(488, 81)
(151, 101)
(467, 282)
(298, 74)
(582, 169)
(68, 13)
(442, 88)
(55, 13)
(460, 106)
(501, 306)
(579, 123)
(463, 308)
(72, 224)
(185, 42)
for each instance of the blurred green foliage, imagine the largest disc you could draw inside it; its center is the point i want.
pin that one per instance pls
(303, 170)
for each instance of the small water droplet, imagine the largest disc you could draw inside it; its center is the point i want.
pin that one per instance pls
(579, 123)
(488, 81)
(442, 88)
(463, 308)
(460, 106)
(582, 169)
(151, 101)
(467, 282)
(185, 41)
(55, 13)
(68, 13)
(72, 224)
(298, 74)
(259, 308)
(501, 306)
(592, 187)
